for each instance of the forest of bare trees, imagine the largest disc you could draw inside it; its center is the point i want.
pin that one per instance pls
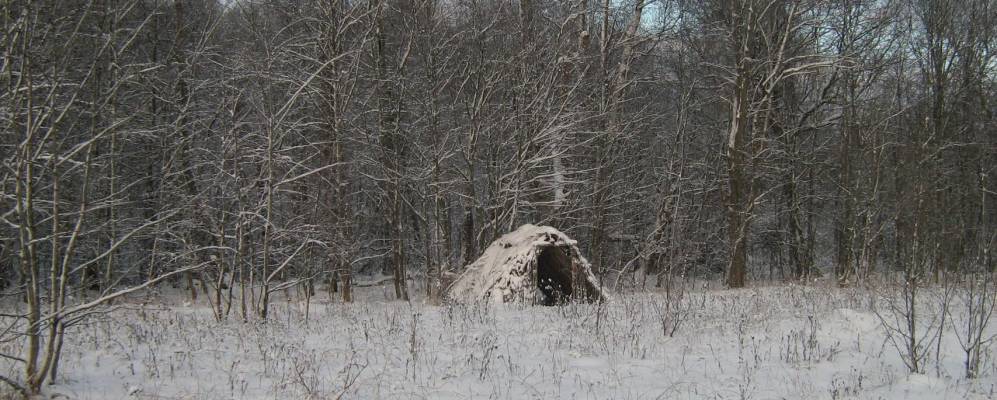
(237, 148)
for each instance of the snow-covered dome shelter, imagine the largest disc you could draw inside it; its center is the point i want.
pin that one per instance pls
(533, 264)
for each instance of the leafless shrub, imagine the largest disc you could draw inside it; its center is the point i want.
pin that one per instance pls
(675, 308)
(911, 326)
(974, 302)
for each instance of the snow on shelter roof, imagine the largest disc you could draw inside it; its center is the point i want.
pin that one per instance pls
(507, 271)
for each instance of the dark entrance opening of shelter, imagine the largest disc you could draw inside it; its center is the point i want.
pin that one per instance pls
(554, 275)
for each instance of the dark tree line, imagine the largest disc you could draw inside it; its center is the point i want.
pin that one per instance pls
(240, 148)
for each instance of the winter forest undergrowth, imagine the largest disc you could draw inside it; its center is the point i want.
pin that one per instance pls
(700, 342)
(270, 198)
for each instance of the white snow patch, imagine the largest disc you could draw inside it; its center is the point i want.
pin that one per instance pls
(763, 343)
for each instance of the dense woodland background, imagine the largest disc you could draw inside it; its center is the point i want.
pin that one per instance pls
(262, 145)
(767, 139)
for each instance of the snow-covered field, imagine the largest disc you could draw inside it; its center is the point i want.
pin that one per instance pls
(792, 342)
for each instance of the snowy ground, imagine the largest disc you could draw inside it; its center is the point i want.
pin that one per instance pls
(791, 342)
